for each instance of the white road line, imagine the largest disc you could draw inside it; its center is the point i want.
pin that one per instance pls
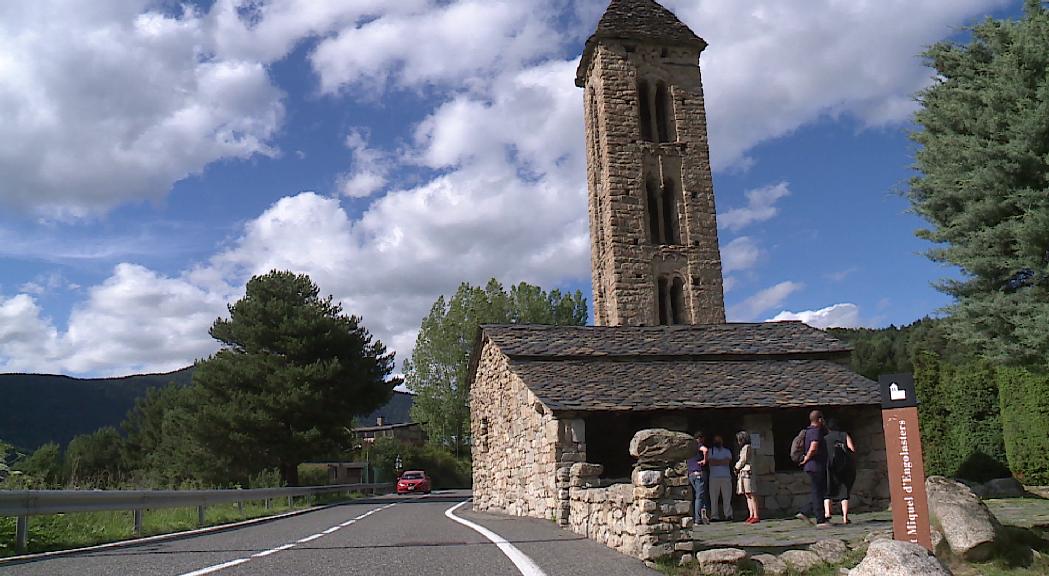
(524, 564)
(264, 553)
(216, 568)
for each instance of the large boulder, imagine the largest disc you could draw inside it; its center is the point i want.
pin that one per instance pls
(769, 565)
(1003, 488)
(897, 558)
(966, 522)
(801, 561)
(831, 551)
(659, 446)
(720, 562)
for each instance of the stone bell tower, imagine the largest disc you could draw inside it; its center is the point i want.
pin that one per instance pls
(653, 227)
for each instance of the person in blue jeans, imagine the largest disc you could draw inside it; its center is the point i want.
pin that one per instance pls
(815, 464)
(698, 476)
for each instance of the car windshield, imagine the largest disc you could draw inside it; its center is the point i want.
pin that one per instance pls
(412, 476)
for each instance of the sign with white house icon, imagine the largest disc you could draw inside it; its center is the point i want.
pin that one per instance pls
(903, 451)
(897, 391)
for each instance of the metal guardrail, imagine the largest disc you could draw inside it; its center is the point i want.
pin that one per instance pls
(25, 503)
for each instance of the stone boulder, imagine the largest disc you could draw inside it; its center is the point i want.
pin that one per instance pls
(1003, 488)
(967, 524)
(896, 558)
(720, 562)
(659, 446)
(769, 565)
(800, 560)
(831, 551)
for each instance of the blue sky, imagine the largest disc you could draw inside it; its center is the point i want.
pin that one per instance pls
(156, 155)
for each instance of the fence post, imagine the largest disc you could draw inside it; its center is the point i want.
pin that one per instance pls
(269, 503)
(291, 500)
(22, 534)
(240, 507)
(138, 521)
(200, 515)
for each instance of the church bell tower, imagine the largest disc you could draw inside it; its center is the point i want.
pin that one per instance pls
(653, 228)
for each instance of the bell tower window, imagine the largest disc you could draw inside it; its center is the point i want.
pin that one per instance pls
(677, 301)
(663, 112)
(661, 301)
(670, 228)
(644, 110)
(655, 232)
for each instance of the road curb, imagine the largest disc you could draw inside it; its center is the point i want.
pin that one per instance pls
(164, 537)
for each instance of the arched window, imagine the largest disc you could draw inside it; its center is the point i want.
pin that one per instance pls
(677, 301)
(663, 112)
(644, 112)
(670, 228)
(655, 233)
(661, 301)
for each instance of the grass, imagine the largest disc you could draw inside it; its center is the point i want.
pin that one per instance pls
(76, 530)
(1021, 552)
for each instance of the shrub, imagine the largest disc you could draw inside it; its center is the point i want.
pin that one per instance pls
(44, 464)
(1024, 398)
(444, 469)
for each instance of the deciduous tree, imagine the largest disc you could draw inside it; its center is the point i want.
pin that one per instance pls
(437, 370)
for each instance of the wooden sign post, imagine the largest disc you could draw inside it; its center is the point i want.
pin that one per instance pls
(903, 450)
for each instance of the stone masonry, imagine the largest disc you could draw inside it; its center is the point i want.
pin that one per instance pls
(621, 77)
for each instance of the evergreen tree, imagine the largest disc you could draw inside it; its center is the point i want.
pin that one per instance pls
(292, 374)
(438, 369)
(983, 183)
(95, 459)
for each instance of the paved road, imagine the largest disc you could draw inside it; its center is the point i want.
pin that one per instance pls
(386, 535)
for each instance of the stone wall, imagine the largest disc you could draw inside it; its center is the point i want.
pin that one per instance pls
(649, 518)
(518, 445)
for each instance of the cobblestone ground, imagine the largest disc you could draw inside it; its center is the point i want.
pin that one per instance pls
(788, 533)
(780, 534)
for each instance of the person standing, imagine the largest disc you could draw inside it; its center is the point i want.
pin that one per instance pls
(815, 464)
(698, 475)
(720, 461)
(841, 469)
(745, 475)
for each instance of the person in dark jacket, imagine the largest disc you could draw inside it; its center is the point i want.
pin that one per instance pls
(841, 469)
(815, 464)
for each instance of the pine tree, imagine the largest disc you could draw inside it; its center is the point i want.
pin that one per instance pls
(983, 183)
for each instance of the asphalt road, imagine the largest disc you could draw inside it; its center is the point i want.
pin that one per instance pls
(386, 535)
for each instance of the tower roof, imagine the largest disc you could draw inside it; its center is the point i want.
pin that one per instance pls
(643, 20)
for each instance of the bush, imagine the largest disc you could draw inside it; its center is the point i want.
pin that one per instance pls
(960, 419)
(1024, 400)
(44, 465)
(313, 474)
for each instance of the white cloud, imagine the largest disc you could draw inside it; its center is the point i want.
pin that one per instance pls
(771, 297)
(775, 65)
(761, 207)
(740, 254)
(844, 315)
(106, 102)
(369, 170)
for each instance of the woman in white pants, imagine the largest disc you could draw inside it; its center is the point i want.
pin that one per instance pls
(719, 460)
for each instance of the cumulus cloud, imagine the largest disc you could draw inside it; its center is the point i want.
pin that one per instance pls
(844, 315)
(369, 170)
(772, 297)
(761, 207)
(740, 254)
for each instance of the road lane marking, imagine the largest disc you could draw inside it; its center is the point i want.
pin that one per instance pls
(216, 567)
(264, 553)
(524, 564)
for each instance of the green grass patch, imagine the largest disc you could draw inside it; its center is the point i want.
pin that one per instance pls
(76, 530)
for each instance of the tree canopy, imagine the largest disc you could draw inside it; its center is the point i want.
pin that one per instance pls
(437, 370)
(983, 183)
(292, 374)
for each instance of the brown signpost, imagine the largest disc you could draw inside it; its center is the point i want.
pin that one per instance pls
(903, 449)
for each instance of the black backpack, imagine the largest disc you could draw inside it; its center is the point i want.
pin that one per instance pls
(840, 456)
(798, 447)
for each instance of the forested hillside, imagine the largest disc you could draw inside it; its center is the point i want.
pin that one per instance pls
(41, 408)
(893, 349)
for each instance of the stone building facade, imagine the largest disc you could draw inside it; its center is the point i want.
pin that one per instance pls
(555, 409)
(653, 230)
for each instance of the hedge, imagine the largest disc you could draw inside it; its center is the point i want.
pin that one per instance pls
(1024, 401)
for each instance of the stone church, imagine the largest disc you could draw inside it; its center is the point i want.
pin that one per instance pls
(661, 355)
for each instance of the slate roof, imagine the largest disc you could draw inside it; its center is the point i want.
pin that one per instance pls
(779, 338)
(621, 368)
(644, 20)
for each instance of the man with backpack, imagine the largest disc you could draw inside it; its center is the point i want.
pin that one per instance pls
(814, 462)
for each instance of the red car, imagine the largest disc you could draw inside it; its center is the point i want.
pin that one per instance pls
(413, 481)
